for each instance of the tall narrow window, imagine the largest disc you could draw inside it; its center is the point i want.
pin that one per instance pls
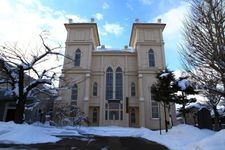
(77, 58)
(133, 90)
(74, 94)
(155, 109)
(119, 83)
(109, 83)
(95, 89)
(151, 58)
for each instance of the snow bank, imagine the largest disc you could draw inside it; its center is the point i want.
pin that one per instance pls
(178, 138)
(181, 137)
(31, 134)
(214, 142)
(23, 134)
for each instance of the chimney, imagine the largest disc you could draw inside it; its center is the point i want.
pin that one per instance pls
(92, 20)
(159, 20)
(137, 20)
(70, 20)
(103, 47)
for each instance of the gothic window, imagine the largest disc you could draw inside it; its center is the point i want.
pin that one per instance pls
(151, 58)
(155, 109)
(74, 94)
(95, 89)
(77, 58)
(119, 83)
(109, 83)
(133, 90)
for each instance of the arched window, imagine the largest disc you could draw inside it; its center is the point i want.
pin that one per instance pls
(133, 90)
(109, 83)
(151, 58)
(119, 83)
(95, 89)
(77, 58)
(74, 94)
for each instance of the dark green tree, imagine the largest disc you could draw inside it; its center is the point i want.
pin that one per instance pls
(163, 91)
(185, 87)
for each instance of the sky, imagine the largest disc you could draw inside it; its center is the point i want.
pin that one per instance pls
(22, 21)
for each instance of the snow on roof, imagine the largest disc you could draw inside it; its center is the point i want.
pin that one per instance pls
(5, 92)
(200, 98)
(113, 51)
(183, 84)
(164, 75)
(195, 105)
(221, 109)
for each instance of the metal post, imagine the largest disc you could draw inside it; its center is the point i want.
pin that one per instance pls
(160, 125)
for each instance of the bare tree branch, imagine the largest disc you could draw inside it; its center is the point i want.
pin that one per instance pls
(15, 64)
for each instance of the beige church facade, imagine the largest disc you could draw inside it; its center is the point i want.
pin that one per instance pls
(112, 87)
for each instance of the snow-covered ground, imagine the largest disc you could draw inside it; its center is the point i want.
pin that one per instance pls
(179, 137)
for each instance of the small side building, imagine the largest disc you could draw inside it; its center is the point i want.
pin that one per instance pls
(39, 103)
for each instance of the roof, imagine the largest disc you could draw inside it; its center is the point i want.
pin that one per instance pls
(113, 52)
(6, 94)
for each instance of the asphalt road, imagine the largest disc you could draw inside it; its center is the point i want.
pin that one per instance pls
(92, 143)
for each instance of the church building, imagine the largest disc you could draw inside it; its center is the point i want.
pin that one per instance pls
(113, 87)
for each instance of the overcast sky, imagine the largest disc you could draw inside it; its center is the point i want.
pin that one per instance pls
(23, 20)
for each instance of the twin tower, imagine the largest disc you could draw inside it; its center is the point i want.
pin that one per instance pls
(112, 87)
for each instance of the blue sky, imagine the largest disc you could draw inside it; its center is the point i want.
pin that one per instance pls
(21, 20)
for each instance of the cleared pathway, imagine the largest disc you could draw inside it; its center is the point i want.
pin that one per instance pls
(93, 143)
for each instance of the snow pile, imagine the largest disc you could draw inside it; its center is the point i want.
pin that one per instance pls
(181, 137)
(30, 134)
(214, 142)
(23, 134)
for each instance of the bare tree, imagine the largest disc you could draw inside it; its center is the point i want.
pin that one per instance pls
(203, 51)
(69, 115)
(16, 64)
(211, 88)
